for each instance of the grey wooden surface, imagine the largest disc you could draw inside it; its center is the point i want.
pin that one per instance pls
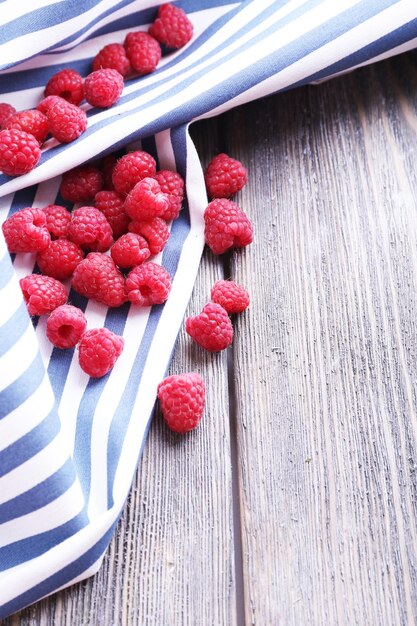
(295, 501)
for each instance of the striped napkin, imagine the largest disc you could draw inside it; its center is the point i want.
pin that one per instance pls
(69, 445)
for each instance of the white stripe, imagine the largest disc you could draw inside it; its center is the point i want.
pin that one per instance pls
(12, 10)
(10, 300)
(18, 358)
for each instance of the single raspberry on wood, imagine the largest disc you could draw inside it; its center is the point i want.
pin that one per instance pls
(211, 329)
(111, 204)
(130, 250)
(103, 88)
(19, 152)
(65, 326)
(57, 220)
(146, 200)
(148, 284)
(97, 277)
(224, 176)
(182, 398)
(143, 52)
(33, 122)
(26, 231)
(42, 294)
(156, 233)
(81, 183)
(226, 226)
(172, 185)
(66, 121)
(131, 168)
(98, 351)
(59, 259)
(112, 57)
(67, 84)
(172, 28)
(230, 295)
(90, 229)
(6, 110)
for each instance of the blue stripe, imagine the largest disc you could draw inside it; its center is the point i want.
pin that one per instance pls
(6, 270)
(39, 496)
(23, 387)
(30, 444)
(13, 329)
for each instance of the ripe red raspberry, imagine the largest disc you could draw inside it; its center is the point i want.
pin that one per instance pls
(90, 229)
(111, 204)
(42, 294)
(231, 296)
(19, 152)
(172, 185)
(26, 231)
(182, 398)
(81, 183)
(67, 84)
(66, 121)
(131, 168)
(6, 110)
(98, 351)
(226, 226)
(65, 326)
(130, 250)
(46, 103)
(143, 52)
(148, 284)
(107, 166)
(59, 259)
(224, 176)
(97, 277)
(112, 57)
(211, 329)
(57, 220)
(172, 28)
(103, 88)
(156, 233)
(33, 122)
(146, 200)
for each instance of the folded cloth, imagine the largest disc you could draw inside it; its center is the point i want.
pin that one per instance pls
(69, 445)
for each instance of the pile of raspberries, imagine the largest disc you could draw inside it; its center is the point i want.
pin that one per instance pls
(59, 115)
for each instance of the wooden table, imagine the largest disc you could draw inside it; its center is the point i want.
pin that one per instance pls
(295, 501)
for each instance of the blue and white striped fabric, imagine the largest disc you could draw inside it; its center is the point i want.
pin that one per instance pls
(69, 445)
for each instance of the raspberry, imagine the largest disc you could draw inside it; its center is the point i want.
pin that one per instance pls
(226, 226)
(182, 399)
(19, 152)
(46, 103)
(211, 329)
(90, 229)
(67, 84)
(231, 296)
(131, 168)
(148, 284)
(224, 176)
(146, 201)
(81, 183)
(26, 231)
(113, 57)
(172, 28)
(103, 88)
(59, 259)
(111, 204)
(98, 351)
(65, 326)
(33, 122)
(6, 110)
(107, 167)
(156, 233)
(57, 220)
(130, 250)
(42, 294)
(66, 121)
(172, 185)
(143, 52)
(97, 277)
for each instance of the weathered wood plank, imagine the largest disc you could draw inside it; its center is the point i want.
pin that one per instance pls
(325, 367)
